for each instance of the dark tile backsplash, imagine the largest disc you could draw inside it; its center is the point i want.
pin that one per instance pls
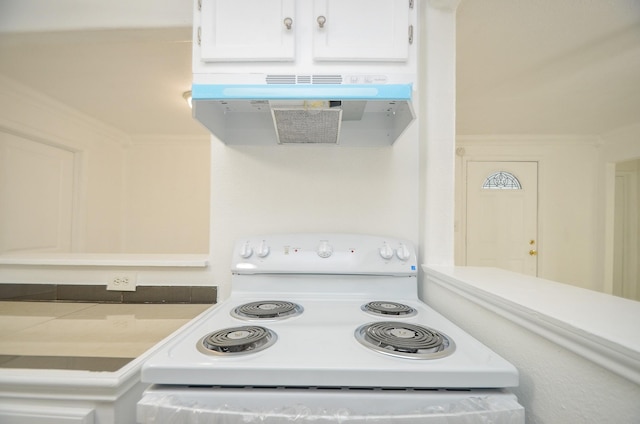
(177, 294)
(100, 294)
(28, 292)
(76, 293)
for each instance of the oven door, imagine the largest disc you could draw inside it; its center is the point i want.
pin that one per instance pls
(181, 404)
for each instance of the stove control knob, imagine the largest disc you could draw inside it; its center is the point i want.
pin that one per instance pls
(246, 251)
(324, 249)
(263, 250)
(386, 252)
(402, 252)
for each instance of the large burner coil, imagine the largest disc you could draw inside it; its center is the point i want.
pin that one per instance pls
(405, 340)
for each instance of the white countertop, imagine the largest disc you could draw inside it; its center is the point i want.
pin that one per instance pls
(596, 325)
(105, 259)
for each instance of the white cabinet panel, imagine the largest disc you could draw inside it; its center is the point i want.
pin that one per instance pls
(233, 30)
(36, 194)
(334, 30)
(35, 414)
(361, 30)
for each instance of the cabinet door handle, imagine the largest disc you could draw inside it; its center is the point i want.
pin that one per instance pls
(321, 21)
(288, 22)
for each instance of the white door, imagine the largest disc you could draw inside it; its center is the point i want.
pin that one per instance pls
(36, 196)
(501, 215)
(361, 30)
(233, 30)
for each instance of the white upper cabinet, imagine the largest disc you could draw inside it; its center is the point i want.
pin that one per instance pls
(361, 30)
(232, 30)
(328, 30)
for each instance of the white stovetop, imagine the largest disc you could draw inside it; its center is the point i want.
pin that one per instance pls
(331, 276)
(318, 348)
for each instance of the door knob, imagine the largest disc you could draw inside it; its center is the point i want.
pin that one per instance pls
(533, 252)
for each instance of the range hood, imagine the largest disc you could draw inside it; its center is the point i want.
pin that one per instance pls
(283, 111)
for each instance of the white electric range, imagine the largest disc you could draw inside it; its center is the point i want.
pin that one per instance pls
(330, 322)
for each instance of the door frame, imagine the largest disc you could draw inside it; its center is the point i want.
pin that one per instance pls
(629, 245)
(460, 217)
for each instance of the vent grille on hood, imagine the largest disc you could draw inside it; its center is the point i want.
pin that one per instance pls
(280, 79)
(307, 126)
(303, 79)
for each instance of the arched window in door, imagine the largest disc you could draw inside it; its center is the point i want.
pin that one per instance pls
(502, 180)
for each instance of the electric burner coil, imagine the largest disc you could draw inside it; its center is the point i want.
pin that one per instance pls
(405, 340)
(267, 310)
(386, 308)
(237, 340)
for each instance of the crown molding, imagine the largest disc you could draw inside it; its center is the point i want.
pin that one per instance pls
(171, 139)
(530, 140)
(30, 102)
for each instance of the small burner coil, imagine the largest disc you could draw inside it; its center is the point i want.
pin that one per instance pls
(237, 340)
(267, 309)
(405, 340)
(388, 309)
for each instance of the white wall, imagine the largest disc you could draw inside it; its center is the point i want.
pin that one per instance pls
(622, 144)
(132, 195)
(257, 190)
(437, 72)
(99, 158)
(166, 207)
(568, 200)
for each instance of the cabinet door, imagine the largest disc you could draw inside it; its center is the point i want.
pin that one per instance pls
(372, 30)
(232, 30)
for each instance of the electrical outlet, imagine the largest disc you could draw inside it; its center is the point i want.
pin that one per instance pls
(122, 282)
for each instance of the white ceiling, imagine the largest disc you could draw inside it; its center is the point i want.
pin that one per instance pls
(547, 66)
(130, 79)
(524, 67)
